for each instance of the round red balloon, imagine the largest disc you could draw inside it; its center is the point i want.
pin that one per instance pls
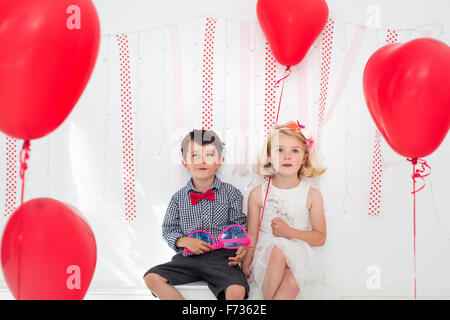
(291, 26)
(48, 251)
(407, 90)
(48, 51)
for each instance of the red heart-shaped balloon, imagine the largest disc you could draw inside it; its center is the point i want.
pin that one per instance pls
(48, 251)
(407, 91)
(48, 50)
(291, 26)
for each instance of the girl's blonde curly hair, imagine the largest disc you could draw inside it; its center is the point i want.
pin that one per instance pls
(311, 168)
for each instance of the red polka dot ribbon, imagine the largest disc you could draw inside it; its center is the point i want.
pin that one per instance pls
(325, 63)
(377, 159)
(128, 148)
(11, 176)
(375, 181)
(11, 172)
(207, 78)
(270, 74)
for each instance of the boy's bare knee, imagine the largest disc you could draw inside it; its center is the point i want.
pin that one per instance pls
(235, 292)
(152, 280)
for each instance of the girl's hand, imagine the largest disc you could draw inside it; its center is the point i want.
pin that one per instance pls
(240, 255)
(280, 228)
(247, 272)
(246, 269)
(196, 246)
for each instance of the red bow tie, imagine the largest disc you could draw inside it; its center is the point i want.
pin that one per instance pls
(196, 197)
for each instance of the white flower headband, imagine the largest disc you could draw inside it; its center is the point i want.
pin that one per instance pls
(299, 128)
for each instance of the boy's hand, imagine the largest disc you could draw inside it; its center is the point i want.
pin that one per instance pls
(195, 245)
(240, 255)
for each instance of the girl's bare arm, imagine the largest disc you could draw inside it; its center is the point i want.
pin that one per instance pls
(254, 208)
(317, 236)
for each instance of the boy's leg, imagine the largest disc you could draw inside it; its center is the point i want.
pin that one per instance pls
(161, 288)
(235, 292)
(224, 281)
(161, 278)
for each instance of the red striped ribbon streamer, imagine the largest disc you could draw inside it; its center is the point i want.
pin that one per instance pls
(208, 67)
(11, 176)
(128, 148)
(303, 92)
(347, 67)
(325, 62)
(177, 98)
(377, 164)
(244, 102)
(177, 76)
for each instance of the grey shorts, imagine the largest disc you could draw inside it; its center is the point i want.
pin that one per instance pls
(211, 267)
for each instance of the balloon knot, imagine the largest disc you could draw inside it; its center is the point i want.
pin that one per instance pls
(419, 173)
(24, 156)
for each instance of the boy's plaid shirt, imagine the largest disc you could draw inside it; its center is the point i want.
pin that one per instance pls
(213, 216)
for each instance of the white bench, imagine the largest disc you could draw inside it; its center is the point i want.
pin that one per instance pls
(196, 291)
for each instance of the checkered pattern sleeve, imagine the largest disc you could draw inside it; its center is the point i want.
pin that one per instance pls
(235, 213)
(171, 229)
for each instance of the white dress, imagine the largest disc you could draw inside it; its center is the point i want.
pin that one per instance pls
(302, 259)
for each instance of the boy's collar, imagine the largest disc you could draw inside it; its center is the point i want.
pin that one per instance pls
(216, 184)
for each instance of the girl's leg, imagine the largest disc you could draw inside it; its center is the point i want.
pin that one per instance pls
(274, 273)
(288, 289)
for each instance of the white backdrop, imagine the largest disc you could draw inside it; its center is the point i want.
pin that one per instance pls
(82, 162)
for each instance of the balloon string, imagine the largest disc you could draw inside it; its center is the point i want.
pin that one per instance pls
(24, 156)
(287, 73)
(417, 173)
(414, 224)
(262, 214)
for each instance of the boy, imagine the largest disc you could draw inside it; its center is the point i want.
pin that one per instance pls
(204, 203)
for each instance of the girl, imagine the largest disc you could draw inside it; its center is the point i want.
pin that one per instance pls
(283, 264)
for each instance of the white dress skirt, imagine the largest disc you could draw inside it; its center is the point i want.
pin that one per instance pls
(304, 261)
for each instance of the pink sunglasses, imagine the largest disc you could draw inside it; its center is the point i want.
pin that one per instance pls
(232, 237)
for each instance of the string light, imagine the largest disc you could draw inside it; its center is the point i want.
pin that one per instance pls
(137, 118)
(332, 16)
(164, 98)
(436, 212)
(108, 141)
(347, 135)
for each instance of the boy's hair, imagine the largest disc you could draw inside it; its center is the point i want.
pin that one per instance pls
(310, 169)
(201, 137)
